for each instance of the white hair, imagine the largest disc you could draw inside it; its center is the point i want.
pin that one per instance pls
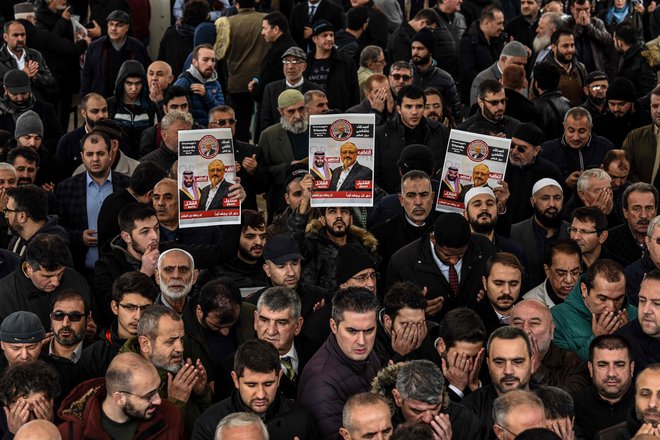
(241, 419)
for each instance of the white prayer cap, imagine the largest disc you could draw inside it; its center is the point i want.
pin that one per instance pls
(545, 182)
(476, 191)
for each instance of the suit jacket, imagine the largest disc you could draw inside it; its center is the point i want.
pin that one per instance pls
(216, 203)
(325, 10)
(523, 234)
(71, 202)
(278, 154)
(358, 172)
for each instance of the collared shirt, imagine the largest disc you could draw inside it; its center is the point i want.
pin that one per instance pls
(297, 85)
(293, 355)
(212, 191)
(343, 175)
(95, 196)
(542, 54)
(20, 61)
(75, 356)
(445, 268)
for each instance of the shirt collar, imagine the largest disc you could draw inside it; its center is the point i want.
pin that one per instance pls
(292, 353)
(74, 356)
(89, 180)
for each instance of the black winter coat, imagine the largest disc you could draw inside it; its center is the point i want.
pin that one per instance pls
(645, 349)
(341, 87)
(476, 54)
(552, 106)
(271, 65)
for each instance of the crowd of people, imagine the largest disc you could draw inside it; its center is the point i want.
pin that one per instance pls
(533, 314)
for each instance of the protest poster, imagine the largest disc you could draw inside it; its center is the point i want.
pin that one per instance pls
(472, 160)
(206, 170)
(341, 159)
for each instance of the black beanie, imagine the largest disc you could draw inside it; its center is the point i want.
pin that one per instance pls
(529, 133)
(451, 230)
(426, 37)
(622, 89)
(352, 259)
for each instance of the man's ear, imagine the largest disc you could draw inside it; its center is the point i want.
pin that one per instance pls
(333, 326)
(145, 345)
(397, 397)
(440, 346)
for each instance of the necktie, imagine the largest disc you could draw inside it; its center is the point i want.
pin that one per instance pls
(312, 9)
(504, 320)
(453, 279)
(288, 367)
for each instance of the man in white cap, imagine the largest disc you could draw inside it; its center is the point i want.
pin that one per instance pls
(544, 227)
(284, 144)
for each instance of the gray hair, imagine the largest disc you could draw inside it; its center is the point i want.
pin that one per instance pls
(655, 221)
(8, 167)
(579, 113)
(507, 403)
(280, 298)
(186, 253)
(415, 175)
(641, 187)
(222, 109)
(241, 419)
(594, 173)
(369, 53)
(149, 322)
(361, 400)
(176, 116)
(310, 94)
(554, 19)
(421, 380)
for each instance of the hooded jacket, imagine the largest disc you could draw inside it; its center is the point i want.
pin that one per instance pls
(82, 416)
(573, 322)
(320, 253)
(200, 105)
(133, 118)
(18, 245)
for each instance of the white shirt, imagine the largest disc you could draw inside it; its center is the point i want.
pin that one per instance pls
(19, 61)
(343, 175)
(445, 268)
(212, 191)
(293, 354)
(75, 356)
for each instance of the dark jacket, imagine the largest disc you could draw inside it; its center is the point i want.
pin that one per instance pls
(621, 243)
(625, 430)
(398, 47)
(569, 159)
(520, 108)
(645, 349)
(562, 368)
(96, 358)
(133, 119)
(71, 198)
(9, 113)
(552, 106)
(162, 157)
(617, 129)
(327, 382)
(82, 416)
(365, 107)
(480, 402)
(391, 140)
(476, 54)
(175, 45)
(522, 30)
(68, 150)
(477, 123)
(299, 19)
(43, 85)
(596, 36)
(243, 274)
(18, 245)
(593, 413)
(440, 79)
(284, 419)
(636, 68)
(19, 293)
(271, 65)
(320, 253)
(415, 263)
(521, 180)
(270, 114)
(341, 88)
(635, 274)
(97, 75)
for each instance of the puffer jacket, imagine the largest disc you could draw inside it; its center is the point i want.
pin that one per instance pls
(329, 379)
(573, 322)
(440, 79)
(82, 417)
(200, 105)
(320, 253)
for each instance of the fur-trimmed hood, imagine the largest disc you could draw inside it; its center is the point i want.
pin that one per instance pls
(362, 235)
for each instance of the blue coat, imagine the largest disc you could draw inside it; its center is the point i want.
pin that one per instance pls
(200, 105)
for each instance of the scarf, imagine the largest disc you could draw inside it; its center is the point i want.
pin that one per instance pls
(616, 16)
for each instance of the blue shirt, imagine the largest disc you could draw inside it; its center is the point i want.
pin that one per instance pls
(95, 196)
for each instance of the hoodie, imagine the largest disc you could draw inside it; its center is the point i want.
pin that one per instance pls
(200, 105)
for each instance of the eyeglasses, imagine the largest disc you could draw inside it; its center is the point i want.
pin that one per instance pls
(572, 230)
(599, 87)
(398, 77)
(294, 62)
(495, 101)
(223, 122)
(363, 278)
(518, 147)
(149, 397)
(73, 316)
(565, 274)
(379, 61)
(6, 210)
(134, 307)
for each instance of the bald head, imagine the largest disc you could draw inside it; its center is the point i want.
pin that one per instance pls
(123, 368)
(161, 73)
(535, 319)
(527, 306)
(38, 430)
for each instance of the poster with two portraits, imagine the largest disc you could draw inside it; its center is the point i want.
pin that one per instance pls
(472, 160)
(206, 170)
(341, 159)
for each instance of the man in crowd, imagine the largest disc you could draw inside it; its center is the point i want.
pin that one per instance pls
(515, 412)
(595, 89)
(514, 53)
(366, 414)
(491, 99)
(593, 189)
(596, 306)
(640, 147)
(69, 322)
(562, 268)
(502, 281)
(589, 230)
(166, 154)
(611, 396)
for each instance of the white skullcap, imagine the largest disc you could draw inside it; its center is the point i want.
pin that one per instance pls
(545, 182)
(476, 191)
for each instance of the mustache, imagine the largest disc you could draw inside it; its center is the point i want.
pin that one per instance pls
(485, 214)
(505, 296)
(509, 377)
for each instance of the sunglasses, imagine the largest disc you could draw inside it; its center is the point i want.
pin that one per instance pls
(73, 316)
(223, 122)
(519, 148)
(398, 77)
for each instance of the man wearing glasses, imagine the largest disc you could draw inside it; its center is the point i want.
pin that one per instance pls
(491, 99)
(124, 404)
(589, 231)
(562, 271)
(399, 77)
(68, 322)
(595, 89)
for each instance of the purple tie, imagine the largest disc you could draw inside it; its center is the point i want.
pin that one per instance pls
(453, 279)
